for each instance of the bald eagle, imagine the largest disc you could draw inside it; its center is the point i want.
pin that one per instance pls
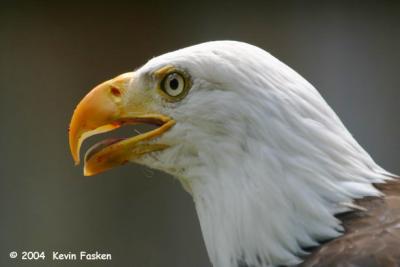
(276, 178)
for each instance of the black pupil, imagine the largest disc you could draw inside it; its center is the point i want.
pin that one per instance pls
(173, 84)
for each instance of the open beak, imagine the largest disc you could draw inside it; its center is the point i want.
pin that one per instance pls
(106, 108)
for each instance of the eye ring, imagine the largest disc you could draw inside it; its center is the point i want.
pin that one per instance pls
(174, 85)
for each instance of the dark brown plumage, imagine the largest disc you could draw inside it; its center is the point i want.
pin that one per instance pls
(372, 237)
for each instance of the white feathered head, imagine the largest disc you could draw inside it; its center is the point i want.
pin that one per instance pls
(266, 160)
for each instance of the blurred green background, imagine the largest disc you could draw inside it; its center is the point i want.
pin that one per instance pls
(52, 53)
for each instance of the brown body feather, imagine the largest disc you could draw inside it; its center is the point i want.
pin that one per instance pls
(371, 238)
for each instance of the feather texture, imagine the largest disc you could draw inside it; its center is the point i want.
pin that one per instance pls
(372, 236)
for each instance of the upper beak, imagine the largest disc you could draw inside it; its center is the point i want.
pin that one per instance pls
(105, 108)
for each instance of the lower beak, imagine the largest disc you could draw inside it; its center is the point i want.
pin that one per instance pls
(104, 109)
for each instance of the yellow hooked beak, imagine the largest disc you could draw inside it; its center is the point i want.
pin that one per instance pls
(106, 108)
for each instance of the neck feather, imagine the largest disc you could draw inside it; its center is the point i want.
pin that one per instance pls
(263, 196)
(263, 213)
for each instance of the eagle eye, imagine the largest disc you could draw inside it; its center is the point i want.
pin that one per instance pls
(174, 85)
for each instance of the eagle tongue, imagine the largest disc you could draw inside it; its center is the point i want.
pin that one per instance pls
(100, 145)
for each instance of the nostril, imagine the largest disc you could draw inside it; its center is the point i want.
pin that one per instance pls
(115, 91)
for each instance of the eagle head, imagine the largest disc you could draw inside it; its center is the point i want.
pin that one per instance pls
(267, 161)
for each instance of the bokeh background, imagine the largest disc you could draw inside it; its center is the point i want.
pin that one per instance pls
(52, 53)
